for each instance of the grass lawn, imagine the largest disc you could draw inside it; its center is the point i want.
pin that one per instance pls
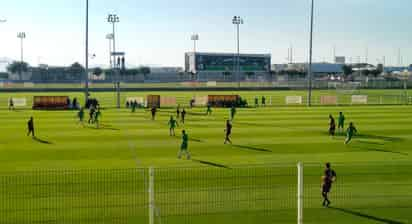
(54, 179)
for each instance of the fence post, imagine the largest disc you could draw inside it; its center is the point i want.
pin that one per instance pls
(300, 193)
(151, 195)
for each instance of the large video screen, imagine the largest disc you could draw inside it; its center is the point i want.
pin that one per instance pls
(228, 63)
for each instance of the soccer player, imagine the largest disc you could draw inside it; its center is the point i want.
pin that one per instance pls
(183, 116)
(332, 125)
(228, 132)
(80, 115)
(178, 112)
(209, 109)
(184, 146)
(341, 122)
(153, 111)
(263, 101)
(350, 132)
(256, 101)
(134, 105)
(172, 125)
(30, 127)
(232, 112)
(327, 181)
(91, 114)
(11, 104)
(97, 115)
(192, 102)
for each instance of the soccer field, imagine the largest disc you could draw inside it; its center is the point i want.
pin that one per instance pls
(251, 181)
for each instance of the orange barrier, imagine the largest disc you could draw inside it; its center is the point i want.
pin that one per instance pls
(223, 100)
(50, 102)
(153, 101)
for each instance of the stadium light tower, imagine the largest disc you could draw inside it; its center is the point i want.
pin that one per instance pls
(237, 21)
(22, 36)
(194, 38)
(310, 56)
(113, 19)
(110, 38)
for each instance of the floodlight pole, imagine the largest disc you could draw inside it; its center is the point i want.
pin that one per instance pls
(86, 89)
(113, 18)
(22, 36)
(110, 38)
(237, 20)
(310, 57)
(194, 38)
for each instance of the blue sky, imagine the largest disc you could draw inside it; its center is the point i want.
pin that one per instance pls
(157, 32)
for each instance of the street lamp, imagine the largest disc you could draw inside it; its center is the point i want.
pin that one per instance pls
(237, 21)
(310, 57)
(113, 19)
(22, 36)
(110, 38)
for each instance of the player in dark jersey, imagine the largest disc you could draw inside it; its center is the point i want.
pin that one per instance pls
(209, 109)
(328, 178)
(11, 104)
(91, 114)
(228, 132)
(332, 126)
(30, 127)
(153, 111)
(178, 112)
(183, 116)
(341, 122)
(263, 101)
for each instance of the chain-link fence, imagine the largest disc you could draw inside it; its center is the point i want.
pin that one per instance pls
(211, 194)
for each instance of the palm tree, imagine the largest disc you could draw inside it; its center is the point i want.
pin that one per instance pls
(97, 72)
(347, 71)
(18, 67)
(76, 70)
(145, 71)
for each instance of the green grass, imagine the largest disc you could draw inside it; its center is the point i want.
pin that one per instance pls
(258, 186)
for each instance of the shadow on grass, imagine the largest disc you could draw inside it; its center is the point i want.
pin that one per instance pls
(42, 141)
(103, 127)
(252, 148)
(211, 164)
(366, 216)
(197, 113)
(370, 143)
(195, 140)
(387, 151)
(382, 138)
